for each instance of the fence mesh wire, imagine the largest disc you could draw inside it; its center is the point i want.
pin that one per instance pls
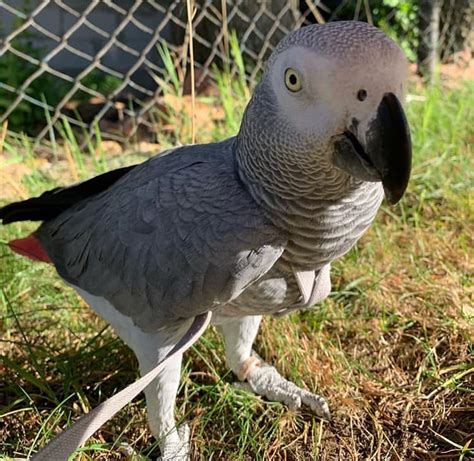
(93, 62)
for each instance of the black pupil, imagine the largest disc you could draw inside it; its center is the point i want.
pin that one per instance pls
(361, 95)
(292, 79)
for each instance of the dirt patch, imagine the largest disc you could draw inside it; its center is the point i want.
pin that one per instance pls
(12, 173)
(460, 66)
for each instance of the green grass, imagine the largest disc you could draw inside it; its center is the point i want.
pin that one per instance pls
(391, 349)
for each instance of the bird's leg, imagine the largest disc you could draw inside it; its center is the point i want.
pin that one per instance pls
(261, 378)
(160, 395)
(160, 401)
(239, 336)
(150, 349)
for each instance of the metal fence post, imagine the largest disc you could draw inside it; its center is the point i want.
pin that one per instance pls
(429, 22)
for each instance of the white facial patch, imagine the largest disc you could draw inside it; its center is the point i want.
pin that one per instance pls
(327, 102)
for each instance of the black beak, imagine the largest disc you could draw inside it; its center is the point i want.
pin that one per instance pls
(386, 155)
(388, 147)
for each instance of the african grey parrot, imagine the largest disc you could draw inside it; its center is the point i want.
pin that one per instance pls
(243, 227)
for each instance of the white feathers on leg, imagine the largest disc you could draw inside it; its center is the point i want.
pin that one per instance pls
(262, 378)
(239, 336)
(160, 395)
(160, 403)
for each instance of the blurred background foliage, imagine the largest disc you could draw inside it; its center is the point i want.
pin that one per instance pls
(34, 90)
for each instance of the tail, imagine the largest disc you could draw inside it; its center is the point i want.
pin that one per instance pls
(54, 202)
(31, 248)
(51, 204)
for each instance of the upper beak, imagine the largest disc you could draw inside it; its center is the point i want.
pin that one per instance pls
(389, 147)
(386, 154)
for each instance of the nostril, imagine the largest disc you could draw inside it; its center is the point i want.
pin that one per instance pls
(362, 95)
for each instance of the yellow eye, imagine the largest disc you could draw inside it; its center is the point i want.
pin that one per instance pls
(293, 80)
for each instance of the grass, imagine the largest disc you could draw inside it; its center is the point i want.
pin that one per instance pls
(391, 349)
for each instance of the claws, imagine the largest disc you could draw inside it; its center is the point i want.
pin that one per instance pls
(317, 404)
(266, 381)
(126, 450)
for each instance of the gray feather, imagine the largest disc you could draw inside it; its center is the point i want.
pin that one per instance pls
(177, 236)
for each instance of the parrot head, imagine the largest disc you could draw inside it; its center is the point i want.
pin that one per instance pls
(338, 89)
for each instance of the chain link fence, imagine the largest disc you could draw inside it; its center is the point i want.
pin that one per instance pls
(97, 62)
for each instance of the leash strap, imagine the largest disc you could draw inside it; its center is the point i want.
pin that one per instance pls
(64, 444)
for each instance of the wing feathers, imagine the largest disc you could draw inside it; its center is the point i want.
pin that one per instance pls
(175, 237)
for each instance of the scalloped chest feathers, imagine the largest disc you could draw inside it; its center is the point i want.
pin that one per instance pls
(320, 231)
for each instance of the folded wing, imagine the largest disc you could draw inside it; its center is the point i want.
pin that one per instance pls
(173, 238)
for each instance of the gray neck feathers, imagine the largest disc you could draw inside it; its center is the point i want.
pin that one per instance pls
(322, 209)
(276, 160)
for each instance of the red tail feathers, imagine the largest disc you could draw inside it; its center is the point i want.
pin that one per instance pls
(31, 248)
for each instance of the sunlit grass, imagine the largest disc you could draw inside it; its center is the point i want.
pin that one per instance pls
(391, 348)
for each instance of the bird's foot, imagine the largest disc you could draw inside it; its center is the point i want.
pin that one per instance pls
(264, 380)
(175, 445)
(128, 452)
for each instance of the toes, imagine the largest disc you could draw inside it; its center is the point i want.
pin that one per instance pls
(266, 381)
(286, 392)
(317, 404)
(292, 401)
(273, 393)
(184, 433)
(125, 449)
(175, 446)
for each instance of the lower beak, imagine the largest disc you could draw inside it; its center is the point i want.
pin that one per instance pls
(388, 146)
